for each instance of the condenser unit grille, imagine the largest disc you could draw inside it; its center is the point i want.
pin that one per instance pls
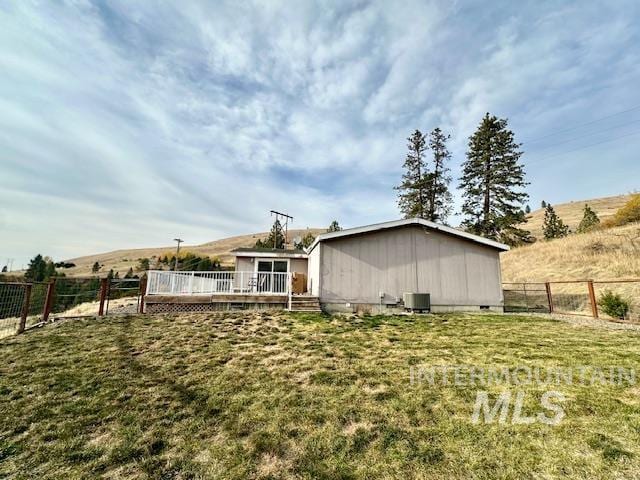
(417, 301)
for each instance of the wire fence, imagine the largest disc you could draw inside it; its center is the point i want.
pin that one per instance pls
(525, 297)
(123, 296)
(575, 297)
(22, 305)
(76, 296)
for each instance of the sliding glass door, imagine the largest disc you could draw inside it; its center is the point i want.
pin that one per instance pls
(271, 277)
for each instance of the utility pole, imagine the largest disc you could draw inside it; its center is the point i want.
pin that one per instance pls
(179, 240)
(286, 222)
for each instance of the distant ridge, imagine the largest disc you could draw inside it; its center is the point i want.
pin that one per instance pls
(122, 260)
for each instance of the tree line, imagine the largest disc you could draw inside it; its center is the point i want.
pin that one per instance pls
(554, 227)
(492, 182)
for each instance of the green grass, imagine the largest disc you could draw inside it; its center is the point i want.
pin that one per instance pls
(274, 395)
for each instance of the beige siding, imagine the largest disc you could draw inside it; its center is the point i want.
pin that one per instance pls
(244, 264)
(409, 259)
(313, 278)
(298, 265)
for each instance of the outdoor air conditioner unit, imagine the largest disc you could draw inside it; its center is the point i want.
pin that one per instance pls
(417, 301)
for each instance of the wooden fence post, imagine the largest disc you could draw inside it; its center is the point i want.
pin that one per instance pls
(25, 308)
(48, 303)
(592, 299)
(104, 283)
(547, 286)
(143, 291)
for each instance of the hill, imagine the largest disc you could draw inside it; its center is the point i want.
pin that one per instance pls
(571, 213)
(605, 254)
(121, 260)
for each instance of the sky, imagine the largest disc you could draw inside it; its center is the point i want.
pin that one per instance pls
(125, 124)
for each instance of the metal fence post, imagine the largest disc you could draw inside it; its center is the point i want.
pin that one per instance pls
(25, 308)
(592, 299)
(143, 292)
(103, 295)
(547, 286)
(48, 303)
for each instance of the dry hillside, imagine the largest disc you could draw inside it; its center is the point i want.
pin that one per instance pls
(602, 255)
(571, 213)
(122, 260)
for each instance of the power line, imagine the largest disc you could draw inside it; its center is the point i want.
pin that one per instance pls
(591, 134)
(588, 146)
(637, 107)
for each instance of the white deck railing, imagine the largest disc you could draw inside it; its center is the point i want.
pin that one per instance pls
(224, 283)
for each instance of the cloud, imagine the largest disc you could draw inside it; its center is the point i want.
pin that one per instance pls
(126, 124)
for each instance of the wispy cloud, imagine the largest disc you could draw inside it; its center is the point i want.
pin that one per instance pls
(127, 123)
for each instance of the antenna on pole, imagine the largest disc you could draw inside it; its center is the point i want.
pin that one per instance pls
(286, 218)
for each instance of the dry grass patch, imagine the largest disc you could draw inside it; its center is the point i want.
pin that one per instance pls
(602, 255)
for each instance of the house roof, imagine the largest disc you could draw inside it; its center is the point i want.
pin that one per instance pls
(407, 222)
(268, 252)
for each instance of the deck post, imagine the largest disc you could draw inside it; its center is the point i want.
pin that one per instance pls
(592, 299)
(25, 308)
(289, 280)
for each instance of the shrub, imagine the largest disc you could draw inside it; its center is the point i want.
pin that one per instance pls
(630, 212)
(613, 304)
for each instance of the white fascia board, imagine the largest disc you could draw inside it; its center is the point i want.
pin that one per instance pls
(270, 255)
(402, 223)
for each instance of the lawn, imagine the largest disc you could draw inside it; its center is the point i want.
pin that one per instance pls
(276, 395)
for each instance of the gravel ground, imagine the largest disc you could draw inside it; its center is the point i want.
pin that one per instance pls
(584, 321)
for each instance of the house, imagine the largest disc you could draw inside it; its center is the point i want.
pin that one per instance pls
(371, 267)
(366, 268)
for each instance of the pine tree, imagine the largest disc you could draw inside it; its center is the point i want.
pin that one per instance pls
(143, 264)
(413, 196)
(553, 226)
(275, 238)
(37, 269)
(492, 182)
(589, 220)
(439, 197)
(543, 204)
(334, 227)
(306, 241)
(95, 268)
(527, 209)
